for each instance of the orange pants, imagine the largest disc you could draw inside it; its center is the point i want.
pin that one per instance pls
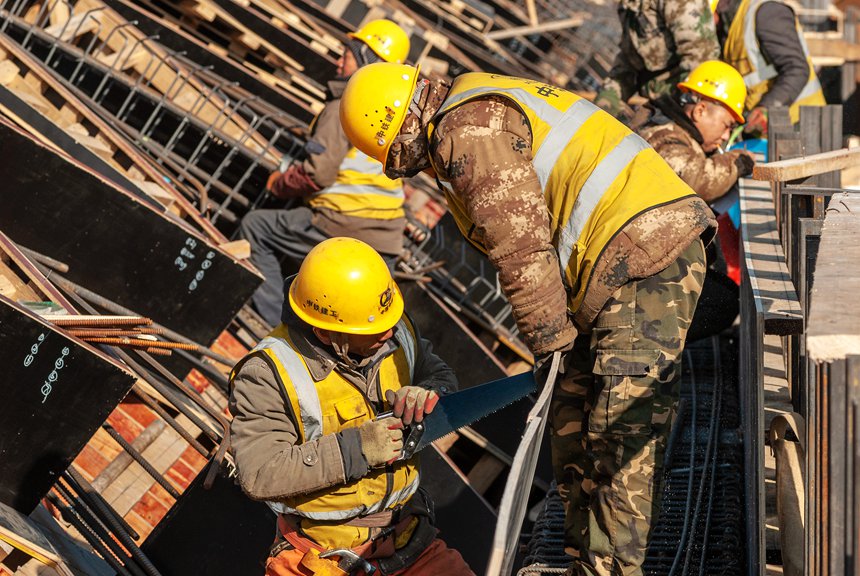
(437, 559)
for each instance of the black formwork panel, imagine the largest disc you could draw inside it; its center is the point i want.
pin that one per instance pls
(221, 532)
(56, 393)
(116, 245)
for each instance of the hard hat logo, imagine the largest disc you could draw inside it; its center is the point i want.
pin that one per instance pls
(385, 299)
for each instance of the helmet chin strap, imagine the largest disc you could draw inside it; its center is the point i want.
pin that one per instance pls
(340, 343)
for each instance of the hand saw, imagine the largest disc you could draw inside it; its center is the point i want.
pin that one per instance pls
(463, 408)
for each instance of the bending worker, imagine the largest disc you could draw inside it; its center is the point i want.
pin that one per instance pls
(304, 435)
(763, 40)
(591, 233)
(345, 191)
(688, 131)
(661, 42)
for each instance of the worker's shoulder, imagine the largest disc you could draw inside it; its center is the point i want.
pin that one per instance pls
(665, 132)
(491, 111)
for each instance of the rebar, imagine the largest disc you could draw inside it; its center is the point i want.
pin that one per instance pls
(139, 342)
(153, 405)
(72, 517)
(114, 522)
(139, 458)
(87, 321)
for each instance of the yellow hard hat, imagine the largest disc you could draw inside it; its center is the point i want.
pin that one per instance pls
(344, 285)
(718, 81)
(374, 106)
(387, 40)
(712, 4)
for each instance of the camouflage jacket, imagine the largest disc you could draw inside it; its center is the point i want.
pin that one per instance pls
(678, 141)
(484, 148)
(661, 42)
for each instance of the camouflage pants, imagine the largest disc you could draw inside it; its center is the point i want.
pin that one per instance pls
(611, 414)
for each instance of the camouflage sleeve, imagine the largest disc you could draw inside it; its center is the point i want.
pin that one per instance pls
(692, 26)
(709, 176)
(322, 167)
(483, 149)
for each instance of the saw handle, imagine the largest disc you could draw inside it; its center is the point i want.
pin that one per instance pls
(411, 436)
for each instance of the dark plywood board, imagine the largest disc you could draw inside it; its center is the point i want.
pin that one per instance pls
(56, 392)
(464, 519)
(190, 539)
(114, 244)
(217, 532)
(36, 122)
(503, 428)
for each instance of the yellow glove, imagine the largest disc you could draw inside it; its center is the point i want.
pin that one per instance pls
(411, 403)
(381, 441)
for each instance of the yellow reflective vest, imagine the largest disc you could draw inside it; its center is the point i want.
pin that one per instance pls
(742, 51)
(362, 190)
(596, 174)
(327, 407)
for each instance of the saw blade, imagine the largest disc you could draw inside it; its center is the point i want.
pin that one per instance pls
(470, 405)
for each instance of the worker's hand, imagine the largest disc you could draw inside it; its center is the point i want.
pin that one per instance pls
(756, 124)
(411, 403)
(744, 163)
(274, 177)
(543, 365)
(381, 441)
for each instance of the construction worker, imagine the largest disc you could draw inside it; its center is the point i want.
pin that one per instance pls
(345, 192)
(688, 132)
(661, 42)
(592, 233)
(763, 40)
(304, 433)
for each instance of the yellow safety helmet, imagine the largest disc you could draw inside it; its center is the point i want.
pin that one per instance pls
(718, 81)
(344, 285)
(374, 106)
(712, 4)
(387, 40)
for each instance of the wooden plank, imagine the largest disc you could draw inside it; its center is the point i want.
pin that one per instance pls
(22, 533)
(572, 22)
(773, 290)
(805, 166)
(834, 321)
(834, 48)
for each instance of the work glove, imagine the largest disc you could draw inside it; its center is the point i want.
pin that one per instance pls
(756, 124)
(543, 365)
(381, 441)
(744, 163)
(411, 403)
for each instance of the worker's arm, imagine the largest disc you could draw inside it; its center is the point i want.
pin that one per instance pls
(709, 176)
(270, 463)
(328, 147)
(483, 149)
(779, 42)
(691, 24)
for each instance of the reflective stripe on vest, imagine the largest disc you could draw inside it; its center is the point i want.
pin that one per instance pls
(304, 398)
(760, 70)
(362, 189)
(310, 410)
(586, 178)
(592, 191)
